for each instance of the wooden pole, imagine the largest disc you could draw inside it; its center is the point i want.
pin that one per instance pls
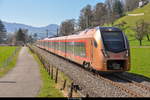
(64, 85)
(56, 78)
(52, 73)
(71, 90)
(49, 70)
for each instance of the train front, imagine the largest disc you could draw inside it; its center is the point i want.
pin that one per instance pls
(115, 49)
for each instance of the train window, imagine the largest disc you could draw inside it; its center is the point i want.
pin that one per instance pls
(113, 41)
(79, 49)
(69, 47)
(64, 46)
(95, 44)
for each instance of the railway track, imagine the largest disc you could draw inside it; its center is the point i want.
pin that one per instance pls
(126, 84)
(133, 82)
(123, 86)
(95, 82)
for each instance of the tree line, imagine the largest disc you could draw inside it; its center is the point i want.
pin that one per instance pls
(99, 15)
(104, 14)
(19, 37)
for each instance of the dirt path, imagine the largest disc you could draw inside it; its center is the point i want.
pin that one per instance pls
(24, 80)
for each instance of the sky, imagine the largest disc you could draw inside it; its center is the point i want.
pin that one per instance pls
(42, 12)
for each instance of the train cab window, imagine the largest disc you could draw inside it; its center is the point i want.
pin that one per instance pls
(113, 41)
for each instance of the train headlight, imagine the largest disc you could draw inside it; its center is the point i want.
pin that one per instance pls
(105, 53)
(127, 53)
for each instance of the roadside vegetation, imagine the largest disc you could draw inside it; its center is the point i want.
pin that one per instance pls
(48, 88)
(8, 59)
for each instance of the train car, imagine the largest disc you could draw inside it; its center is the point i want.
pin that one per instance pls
(104, 49)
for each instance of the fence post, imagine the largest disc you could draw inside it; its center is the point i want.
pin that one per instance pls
(64, 85)
(52, 72)
(49, 70)
(71, 90)
(56, 78)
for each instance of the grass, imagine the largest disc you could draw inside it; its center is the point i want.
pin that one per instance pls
(131, 20)
(136, 43)
(140, 63)
(5, 52)
(49, 87)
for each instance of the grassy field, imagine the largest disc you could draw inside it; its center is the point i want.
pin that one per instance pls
(136, 43)
(48, 88)
(140, 61)
(131, 20)
(5, 53)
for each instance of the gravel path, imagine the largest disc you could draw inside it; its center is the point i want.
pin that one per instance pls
(24, 80)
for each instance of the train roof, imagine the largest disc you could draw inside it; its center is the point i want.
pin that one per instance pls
(88, 33)
(109, 29)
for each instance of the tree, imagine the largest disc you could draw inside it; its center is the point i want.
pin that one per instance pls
(147, 30)
(2, 32)
(30, 39)
(99, 14)
(67, 27)
(85, 19)
(109, 10)
(141, 30)
(131, 4)
(21, 35)
(118, 8)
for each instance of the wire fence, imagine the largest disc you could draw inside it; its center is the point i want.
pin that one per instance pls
(9, 59)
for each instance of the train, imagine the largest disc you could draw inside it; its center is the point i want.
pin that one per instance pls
(103, 49)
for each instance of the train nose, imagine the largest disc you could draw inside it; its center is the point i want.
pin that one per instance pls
(116, 61)
(115, 64)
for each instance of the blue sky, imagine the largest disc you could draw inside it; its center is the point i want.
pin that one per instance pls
(41, 12)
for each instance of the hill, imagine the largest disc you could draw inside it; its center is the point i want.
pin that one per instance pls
(41, 31)
(131, 19)
(138, 14)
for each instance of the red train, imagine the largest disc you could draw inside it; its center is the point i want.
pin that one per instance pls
(104, 49)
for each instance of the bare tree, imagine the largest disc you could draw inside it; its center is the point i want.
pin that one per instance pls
(85, 19)
(141, 30)
(67, 27)
(99, 14)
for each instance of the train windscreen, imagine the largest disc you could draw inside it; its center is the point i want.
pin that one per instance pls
(113, 41)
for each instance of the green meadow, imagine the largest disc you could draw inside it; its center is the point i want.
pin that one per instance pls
(5, 53)
(140, 61)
